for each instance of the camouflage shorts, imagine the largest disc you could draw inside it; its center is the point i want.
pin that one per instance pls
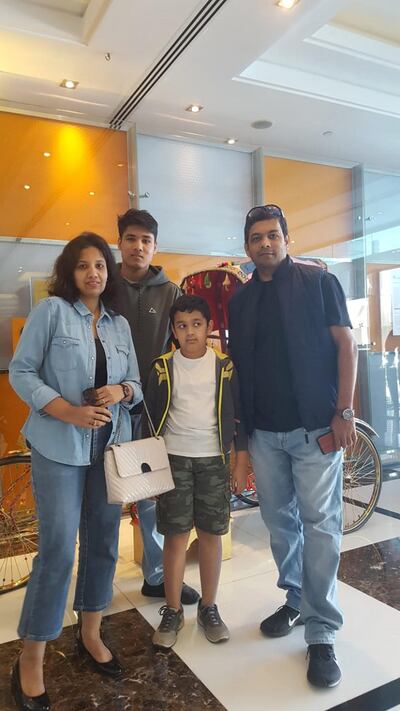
(201, 496)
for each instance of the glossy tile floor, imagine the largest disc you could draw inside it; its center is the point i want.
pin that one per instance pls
(249, 672)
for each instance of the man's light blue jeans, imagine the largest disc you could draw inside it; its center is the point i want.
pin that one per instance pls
(67, 498)
(300, 494)
(153, 542)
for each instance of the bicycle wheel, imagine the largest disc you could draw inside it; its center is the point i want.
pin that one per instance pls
(362, 482)
(18, 522)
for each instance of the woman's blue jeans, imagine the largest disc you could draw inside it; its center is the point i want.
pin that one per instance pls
(69, 498)
(300, 494)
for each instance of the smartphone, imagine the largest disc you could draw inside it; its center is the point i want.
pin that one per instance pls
(326, 443)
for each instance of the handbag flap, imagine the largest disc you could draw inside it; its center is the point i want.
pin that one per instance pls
(140, 456)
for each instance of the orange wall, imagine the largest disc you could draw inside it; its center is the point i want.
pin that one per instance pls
(83, 159)
(316, 199)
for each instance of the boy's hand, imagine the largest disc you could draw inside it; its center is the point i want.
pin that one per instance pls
(239, 477)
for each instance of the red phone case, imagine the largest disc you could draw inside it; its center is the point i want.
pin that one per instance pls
(326, 443)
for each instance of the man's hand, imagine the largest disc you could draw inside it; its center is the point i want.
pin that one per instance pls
(344, 432)
(239, 477)
(109, 395)
(88, 416)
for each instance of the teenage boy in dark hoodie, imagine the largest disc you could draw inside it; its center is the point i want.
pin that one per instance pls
(147, 296)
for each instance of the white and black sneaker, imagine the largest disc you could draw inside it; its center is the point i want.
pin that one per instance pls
(323, 669)
(282, 622)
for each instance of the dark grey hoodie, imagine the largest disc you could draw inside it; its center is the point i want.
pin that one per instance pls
(146, 306)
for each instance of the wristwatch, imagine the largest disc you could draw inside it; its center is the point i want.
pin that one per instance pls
(347, 414)
(127, 391)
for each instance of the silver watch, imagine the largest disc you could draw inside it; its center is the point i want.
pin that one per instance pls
(347, 414)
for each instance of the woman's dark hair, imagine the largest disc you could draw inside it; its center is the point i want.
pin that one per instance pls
(190, 303)
(62, 281)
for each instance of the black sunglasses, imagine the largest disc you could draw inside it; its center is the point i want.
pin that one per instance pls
(271, 210)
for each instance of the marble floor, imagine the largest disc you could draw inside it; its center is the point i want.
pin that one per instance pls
(249, 672)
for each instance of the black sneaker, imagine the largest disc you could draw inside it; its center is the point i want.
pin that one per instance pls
(281, 623)
(188, 596)
(323, 669)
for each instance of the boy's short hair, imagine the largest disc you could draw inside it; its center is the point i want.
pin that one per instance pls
(190, 303)
(140, 218)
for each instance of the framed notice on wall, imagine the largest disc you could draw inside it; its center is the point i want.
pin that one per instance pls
(396, 301)
(38, 289)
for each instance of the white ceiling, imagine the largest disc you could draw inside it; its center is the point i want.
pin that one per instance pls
(326, 65)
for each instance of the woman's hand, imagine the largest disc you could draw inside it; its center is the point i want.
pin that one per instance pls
(109, 395)
(88, 416)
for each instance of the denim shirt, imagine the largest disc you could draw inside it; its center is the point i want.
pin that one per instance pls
(56, 357)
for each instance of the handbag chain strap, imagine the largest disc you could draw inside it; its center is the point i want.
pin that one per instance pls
(119, 423)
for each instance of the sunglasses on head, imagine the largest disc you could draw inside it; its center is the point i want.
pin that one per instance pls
(265, 210)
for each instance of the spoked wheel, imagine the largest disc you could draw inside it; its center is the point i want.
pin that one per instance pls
(362, 482)
(18, 522)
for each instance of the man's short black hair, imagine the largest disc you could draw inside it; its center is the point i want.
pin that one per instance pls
(188, 303)
(265, 212)
(140, 218)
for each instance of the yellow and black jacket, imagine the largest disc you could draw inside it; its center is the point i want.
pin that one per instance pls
(227, 402)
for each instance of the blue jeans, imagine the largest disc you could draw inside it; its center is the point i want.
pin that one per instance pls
(300, 493)
(67, 498)
(153, 541)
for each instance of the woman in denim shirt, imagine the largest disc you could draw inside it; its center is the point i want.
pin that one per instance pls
(75, 366)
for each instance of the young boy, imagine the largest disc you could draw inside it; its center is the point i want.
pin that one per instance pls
(193, 398)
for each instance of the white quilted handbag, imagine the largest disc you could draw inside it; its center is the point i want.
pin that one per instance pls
(137, 470)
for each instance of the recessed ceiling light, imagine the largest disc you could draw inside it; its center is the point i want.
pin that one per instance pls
(261, 124)
(287, 4)
(194, 108)
(69, 84)
(120, 165)
(231, 141)
(27, 187)
(20, 270)
(292, 241)
(67, 224)
(91, 192)
(47, 154)
(327, 133)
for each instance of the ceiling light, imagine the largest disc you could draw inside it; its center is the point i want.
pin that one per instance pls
(91, 192)
(47, 154)
(231, 141)
(67, 224)
(69, 84)
(327, 133)
(27, 187)
(261, 124)
(287, 4)
(194, 108)
(120, 165)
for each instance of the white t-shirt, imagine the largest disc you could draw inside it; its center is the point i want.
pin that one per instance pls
(191, 427)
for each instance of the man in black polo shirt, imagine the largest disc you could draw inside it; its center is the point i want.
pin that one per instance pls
(292, 344)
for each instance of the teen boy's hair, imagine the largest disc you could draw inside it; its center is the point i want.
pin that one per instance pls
(139, 218)
(190, 303)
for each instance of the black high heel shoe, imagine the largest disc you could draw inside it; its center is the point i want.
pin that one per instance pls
(111, 669)
(24, 702)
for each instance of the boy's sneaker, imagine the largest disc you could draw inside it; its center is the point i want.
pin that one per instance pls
(281, 623)
(323, 669)
(210, 620)
(172, 621)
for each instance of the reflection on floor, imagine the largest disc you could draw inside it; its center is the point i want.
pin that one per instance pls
(150, 677)
(250, 672)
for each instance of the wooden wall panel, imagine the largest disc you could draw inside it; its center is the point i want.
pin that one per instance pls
(316, 199)
(83, 159)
